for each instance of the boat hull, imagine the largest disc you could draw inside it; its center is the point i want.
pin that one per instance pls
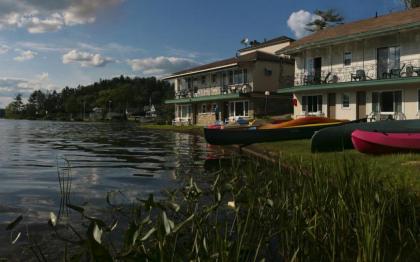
(339, 138)
(385, 143)
(240, 136)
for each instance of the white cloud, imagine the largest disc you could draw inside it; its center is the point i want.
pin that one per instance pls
(4, 49)
(298, 20)
(160, 66)
(25, 55)
(40, 16)
(10, 87)
(86, 59)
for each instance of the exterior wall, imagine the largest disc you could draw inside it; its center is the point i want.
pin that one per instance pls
(278, 79)
(410, 101)
(268, 49)
(364, 56)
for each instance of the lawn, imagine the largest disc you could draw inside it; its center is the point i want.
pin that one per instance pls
(399, 168)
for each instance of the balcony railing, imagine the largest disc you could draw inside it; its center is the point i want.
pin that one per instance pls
(406, 68)
(214, 91)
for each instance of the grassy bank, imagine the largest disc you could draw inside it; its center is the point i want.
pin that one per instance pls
(256, 211)
(400, 168)
(181, 129)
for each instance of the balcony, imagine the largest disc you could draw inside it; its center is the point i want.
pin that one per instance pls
(213, 91)
(366, 73)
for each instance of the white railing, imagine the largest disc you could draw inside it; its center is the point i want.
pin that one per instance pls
(369, 71)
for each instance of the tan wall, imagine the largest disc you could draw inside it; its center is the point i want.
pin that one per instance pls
(268, 49)
(205, 119)
(271, 83)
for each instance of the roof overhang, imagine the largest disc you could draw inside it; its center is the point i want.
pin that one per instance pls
(200, 71)
(353, 85)
(348, 38)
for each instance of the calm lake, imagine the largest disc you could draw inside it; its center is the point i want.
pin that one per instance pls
(103, 157)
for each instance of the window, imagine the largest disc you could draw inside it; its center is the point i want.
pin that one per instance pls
(387, 102)
(184, 111)
(268, 72)
(213, 78)
(230, 73)
(345, 100)
(238, 77)
(203, 80)
(245, 76)
(312, 104)
(387, 58)
(347, 58)
(203, 108)
(239, 108)
(418, 100)
(214, 107)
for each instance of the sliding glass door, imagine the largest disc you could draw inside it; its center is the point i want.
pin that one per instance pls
(387, 102)
(387, 58)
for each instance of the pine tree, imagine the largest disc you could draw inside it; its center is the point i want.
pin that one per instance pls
(327, 18)
(411, 3)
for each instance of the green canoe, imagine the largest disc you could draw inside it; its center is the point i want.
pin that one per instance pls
(338, 138)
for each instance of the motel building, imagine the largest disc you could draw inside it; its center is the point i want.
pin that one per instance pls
(244, 86)
(364, 69)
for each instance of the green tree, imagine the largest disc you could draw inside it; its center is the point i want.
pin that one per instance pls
(16, 108)
(327, 18)
(411, 3)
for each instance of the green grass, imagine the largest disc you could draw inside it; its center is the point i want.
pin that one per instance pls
(182, 129)
(256, 211)
(398, 168)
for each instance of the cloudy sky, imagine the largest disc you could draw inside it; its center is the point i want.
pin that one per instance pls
(50, 44)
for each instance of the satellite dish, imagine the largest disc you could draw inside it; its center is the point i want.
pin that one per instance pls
(245, 41)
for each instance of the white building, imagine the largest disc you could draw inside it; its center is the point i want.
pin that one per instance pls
(367, 68)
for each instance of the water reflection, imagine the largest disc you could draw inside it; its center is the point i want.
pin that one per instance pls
(103, 157)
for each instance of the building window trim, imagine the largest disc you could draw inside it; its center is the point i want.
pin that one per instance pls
(347, 58)
(379, 102)
(345, 104)
(233, 108)
(319, 104)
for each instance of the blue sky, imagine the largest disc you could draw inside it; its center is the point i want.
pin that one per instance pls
(50, 44)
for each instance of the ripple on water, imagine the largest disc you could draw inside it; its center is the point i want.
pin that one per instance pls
(103, 157)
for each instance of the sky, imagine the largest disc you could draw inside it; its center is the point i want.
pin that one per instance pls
(50, 44)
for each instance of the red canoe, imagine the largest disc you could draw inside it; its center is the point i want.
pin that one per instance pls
(385, 143)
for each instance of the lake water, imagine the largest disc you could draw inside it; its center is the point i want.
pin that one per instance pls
(103, 157)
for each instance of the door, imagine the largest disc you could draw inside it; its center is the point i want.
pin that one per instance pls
(331, 105)
(317, 70)
(387, 58)
(361, 105)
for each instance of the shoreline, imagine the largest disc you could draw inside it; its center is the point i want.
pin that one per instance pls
(251, 150)
(397, 168)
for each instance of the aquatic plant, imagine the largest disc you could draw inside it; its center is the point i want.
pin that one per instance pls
(255, 211)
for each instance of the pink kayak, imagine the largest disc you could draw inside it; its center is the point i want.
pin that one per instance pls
(385, 143)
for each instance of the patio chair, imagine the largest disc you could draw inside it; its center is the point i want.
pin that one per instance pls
(308, 80)
(325, 80)
(409, 71)
(359, 76)
(395, 72)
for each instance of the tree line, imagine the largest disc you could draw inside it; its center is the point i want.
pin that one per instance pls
(120, 95)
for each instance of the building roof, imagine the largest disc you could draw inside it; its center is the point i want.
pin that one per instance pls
(363, 28)
(230, 62)
(270, 42)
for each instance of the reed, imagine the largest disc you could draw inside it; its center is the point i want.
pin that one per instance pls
(255, 211)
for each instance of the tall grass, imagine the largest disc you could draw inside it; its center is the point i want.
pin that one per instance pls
(254, 211)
